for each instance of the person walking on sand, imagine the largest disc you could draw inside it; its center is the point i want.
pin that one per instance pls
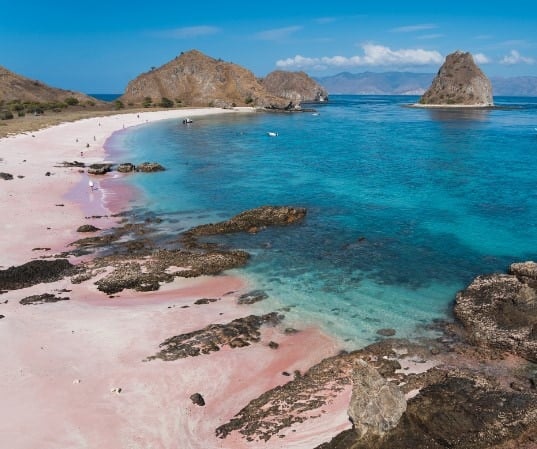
(90, 184)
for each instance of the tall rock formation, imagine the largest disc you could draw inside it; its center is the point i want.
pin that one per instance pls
(194, 79)
(459, 82)
(17, 87)
(297, 87)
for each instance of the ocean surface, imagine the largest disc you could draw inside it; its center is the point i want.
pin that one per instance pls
(405, 206)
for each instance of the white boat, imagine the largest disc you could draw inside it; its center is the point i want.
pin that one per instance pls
(272, 134)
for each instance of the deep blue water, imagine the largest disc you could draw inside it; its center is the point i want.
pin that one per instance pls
(405, 206)
(105, 97)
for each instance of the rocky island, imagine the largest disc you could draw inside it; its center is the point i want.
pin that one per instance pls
(460, 83)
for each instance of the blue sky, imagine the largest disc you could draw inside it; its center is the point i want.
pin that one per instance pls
(97, 46)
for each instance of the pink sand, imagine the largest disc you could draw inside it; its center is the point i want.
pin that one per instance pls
(60, 362)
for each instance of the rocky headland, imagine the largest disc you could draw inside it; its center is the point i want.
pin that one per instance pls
(459, 82)
(195, 79)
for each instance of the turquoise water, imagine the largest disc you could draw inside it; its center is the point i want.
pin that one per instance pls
(405, 206)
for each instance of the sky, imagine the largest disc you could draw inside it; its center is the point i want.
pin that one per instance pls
(98, 47)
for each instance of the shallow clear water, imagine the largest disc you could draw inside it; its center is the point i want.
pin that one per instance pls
(405, 206)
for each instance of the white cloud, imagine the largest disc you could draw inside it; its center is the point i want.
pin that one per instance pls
(187, 32)
(374, 55)
(480, 58)
(413, 28)
(514, 57)
(430, 36)
(277, 33)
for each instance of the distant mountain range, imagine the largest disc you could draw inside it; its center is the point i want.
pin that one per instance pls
(409, 83)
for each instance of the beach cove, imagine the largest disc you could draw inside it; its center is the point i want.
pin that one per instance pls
(64, 364)
(129, 369)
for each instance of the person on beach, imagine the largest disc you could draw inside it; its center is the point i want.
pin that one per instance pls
(91, 185)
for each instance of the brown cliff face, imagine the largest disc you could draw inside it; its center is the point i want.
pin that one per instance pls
(297, 87)
(194, 79)
(17, 87)
(459, 82)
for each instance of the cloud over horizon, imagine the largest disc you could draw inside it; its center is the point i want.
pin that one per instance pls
(374, 55)
(514, 57)
(277, 34)
(187, 32)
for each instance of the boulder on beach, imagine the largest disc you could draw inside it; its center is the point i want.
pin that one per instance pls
(87, 228)
(6, 176)
(126, 167)
(35, 272)
(99, 169)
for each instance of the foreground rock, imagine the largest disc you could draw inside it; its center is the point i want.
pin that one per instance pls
(6, 176)
(376, 404)
(35, 272)
(236, 334)
(459, 82)
(500, 310)
(458, 410)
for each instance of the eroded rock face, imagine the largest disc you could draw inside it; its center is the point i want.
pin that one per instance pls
(125, 167)
(459, 82)
(500, 310)
(376, 404)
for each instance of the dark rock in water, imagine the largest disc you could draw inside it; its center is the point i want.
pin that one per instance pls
(388, 332)
(197, 399)
(500, 310)
(250, 219)
(238, 333)
(99, 169)
(35, 272)
(6, 176)
(149, 167)
(127, 167)
(252, 297)
(41, 299)
(87, 228)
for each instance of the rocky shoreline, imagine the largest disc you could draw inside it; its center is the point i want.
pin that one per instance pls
(474, 387)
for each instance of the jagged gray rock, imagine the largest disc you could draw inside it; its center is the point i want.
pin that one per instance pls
(376, 404)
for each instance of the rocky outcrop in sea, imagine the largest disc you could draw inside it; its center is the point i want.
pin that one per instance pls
(459, 82)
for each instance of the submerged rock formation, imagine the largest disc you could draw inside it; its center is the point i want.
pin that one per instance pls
(459, 82)
(297, 87)
(500, 310)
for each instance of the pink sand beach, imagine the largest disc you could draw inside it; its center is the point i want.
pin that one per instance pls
(62, 364)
